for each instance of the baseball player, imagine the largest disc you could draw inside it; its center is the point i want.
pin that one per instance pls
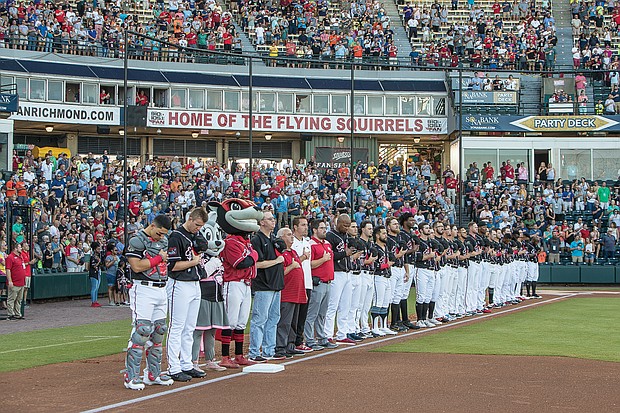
(399, 278)
(382, 270)
(440, 261)
(340, 293)
(425, 276)
(407, 223)
(463, 264)
(532, 267)
(473, 271)
(356, 283)
(147, 256)
(184, 296)
(367, 289)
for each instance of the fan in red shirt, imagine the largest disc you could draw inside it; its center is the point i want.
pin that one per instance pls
(134, 207)
(488, 171)
(510, 172)
(16, 272)
(292, 296)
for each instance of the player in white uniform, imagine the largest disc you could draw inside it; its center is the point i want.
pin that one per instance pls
(147, 257)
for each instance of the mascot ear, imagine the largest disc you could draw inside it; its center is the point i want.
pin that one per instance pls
(213, 206)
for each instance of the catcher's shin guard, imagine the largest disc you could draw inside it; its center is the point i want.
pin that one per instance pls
(140, 335)
(154, 351)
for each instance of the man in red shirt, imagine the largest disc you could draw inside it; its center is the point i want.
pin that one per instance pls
(16, 271)
(451, 184)
(322, 263)
(488, 171)
(510, 172)
(291, 297)
(28, 261)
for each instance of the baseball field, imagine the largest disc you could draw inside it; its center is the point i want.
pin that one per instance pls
(556, 354)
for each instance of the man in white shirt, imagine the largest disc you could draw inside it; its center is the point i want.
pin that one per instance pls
(96, 171)
(301, 245)
(29, 176)
(47, 169)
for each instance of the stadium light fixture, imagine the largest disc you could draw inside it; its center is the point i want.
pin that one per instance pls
(340, 139)
(121, 132)
(416, 140)
(195, 134)
(268, 136)
(49, 128)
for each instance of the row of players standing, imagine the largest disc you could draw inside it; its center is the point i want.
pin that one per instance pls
(348, 274)
(363, 275)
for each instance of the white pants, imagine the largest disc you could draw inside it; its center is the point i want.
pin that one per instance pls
(483, 284)
(366, 294)
(382, 293)
(184, 304)
(499, 284)
(473, 274)
(532, 271)
(407, 284)
(339, 305)
(461, 287)
(237, 302)
(147, 303)
(356, 303)
(397, 283)
(447, 274)
(425, 283)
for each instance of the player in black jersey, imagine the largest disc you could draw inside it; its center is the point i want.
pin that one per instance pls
(381, 269)
(407, 223)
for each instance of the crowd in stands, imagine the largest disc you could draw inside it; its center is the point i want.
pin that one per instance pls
(516, 35)
(578, 218)
(309, 29)
(79, 200)
(98, 30)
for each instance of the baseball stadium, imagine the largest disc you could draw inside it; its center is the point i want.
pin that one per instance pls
(227, 204)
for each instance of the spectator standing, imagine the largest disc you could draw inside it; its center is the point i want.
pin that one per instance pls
(603, 196)
(110, 266)
(94, 273)
(267, 285)
(16, 273)
(292, 296)
(577, 247)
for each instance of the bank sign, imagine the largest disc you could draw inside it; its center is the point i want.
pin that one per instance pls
(569, 123)
(478, 97)
(295, 123)
(80, 114)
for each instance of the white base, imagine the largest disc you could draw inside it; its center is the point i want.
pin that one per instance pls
(264, 368)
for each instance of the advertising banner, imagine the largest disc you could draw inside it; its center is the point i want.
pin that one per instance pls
(295, 123)
(327, 157)
(479, 97)
(8, 102)
(569, 123)
(82, 114)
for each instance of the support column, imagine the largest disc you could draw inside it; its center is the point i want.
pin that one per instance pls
(221, 151)
(295, 151)
(6, 141)
(71, 140)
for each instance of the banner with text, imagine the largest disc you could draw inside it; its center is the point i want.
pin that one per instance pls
(478, 97)
(8, 102)
(82, 114)
(295, 123)
(584, 123)
(328, 157)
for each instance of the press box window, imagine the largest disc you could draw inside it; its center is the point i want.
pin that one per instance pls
(391, 106)
(177, 98)
(72, 93)
(231, 100)
(91, 93)
(375, 105)
(321, 104)
(285, 102)
(37, 89)
(196, 99)
(339, 104)
(214, 99)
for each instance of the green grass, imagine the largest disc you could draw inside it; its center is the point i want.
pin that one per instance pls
(582, 328)
(58, 345)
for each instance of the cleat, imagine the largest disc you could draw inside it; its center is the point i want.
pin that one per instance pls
(389, 332)
(196, 374)
(162, 379)
(428, 323)
(378, 333)
(180, 376)
(135, 384)
(316, 347)
(420, 324)
(346, 340)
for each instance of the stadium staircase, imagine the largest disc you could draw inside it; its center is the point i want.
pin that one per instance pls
(401, 39)
(530, 95)
(564, 33)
